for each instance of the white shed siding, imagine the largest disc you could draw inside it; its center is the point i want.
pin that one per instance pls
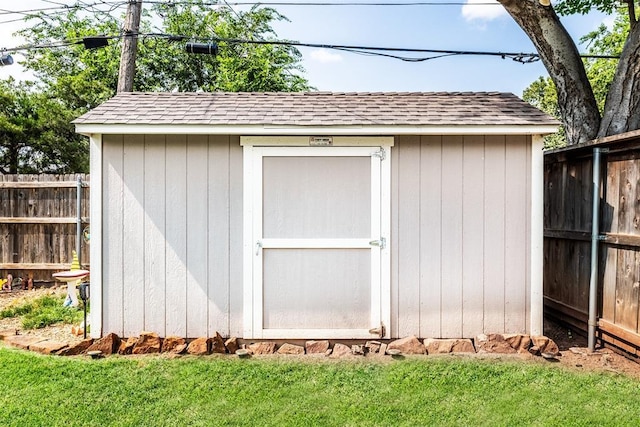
(173, 231)
(112, 249)
(172, 221)
(133, 235)
(175, 250)
(155, 227)
(460, 215)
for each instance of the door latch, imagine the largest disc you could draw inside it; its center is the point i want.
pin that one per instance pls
(382, 243)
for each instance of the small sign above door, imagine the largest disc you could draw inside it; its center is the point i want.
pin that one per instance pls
(320, 141)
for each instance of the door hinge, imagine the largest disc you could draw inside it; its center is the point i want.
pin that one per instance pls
(381, 154)
(379, 331)
(382, 243)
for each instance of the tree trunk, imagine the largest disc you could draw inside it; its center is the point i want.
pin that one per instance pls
(622, 107)
(14, 156)
(560, 56)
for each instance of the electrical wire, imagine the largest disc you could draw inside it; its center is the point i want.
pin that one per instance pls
(60, 8)
(388, 52)
(63, 6)
(329, 3)
(27, 12)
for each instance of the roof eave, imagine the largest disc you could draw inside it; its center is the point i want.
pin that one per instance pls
(206, 129)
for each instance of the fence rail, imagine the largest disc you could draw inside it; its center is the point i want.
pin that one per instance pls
(38, 224)
(567, 238)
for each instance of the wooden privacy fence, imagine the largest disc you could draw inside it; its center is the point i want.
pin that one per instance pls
(567, 237)
(38, 222)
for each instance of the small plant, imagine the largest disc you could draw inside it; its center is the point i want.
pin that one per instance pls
(44, 311)
(16, 311)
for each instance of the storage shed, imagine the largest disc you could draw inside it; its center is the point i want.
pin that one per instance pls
(316, 215)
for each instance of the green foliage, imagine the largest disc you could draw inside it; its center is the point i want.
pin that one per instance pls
(542, 94)
(36, 135)
(16, 311)
(84, 78)
(229, 391)
(238, 67)
(605, 41)
(43, 311)
(79, 77)
(570, 7)
(35, 131)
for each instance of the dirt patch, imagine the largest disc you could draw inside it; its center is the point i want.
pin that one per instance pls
(573, 346)
(575, 355)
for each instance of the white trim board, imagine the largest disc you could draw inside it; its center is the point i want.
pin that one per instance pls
(304, 141)
(95, 213)
(537, 233)
(360, 130)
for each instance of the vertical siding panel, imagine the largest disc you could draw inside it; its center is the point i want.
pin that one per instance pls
(494, 227)
(626, 308)
(219, 230)
(609, 282)
(409, 237)
(452, 237)
(610, 224)
(133, 230)
(516, 253)
(197, 236)
(610, 216)
(235, 237)
(473, 236)
(176, 233)
(430, 236)
(395, 249)
(154, 233)
(112, 285)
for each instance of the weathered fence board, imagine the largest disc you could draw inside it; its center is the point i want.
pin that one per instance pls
(567, 216)
(38, 224)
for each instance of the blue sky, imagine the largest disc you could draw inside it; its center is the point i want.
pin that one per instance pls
(476, 28)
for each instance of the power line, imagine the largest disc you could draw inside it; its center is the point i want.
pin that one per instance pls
(31, 11)
(79, 4)
(389, 52)
(83, 5)
(330, 3)
(62, 8)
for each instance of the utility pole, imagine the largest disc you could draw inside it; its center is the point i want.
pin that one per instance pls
(129, 46)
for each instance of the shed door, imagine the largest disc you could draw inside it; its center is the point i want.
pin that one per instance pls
(318, 242)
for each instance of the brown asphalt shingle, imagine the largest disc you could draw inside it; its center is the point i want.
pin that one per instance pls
(317, 109)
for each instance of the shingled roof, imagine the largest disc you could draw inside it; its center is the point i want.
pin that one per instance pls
(317, 109)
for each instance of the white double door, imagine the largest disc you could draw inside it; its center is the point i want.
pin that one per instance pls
(317, 262)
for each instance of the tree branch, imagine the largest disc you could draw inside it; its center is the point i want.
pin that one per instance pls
(561, 58)
(623, 98)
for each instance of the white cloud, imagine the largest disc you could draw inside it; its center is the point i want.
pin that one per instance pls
(324, 56)
(479, 10)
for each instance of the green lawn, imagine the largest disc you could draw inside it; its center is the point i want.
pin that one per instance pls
(38, 390)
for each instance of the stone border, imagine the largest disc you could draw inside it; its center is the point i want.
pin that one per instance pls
(151, 343)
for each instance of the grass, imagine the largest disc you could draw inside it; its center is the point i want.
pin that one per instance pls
(43, 311)
(210, 391)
